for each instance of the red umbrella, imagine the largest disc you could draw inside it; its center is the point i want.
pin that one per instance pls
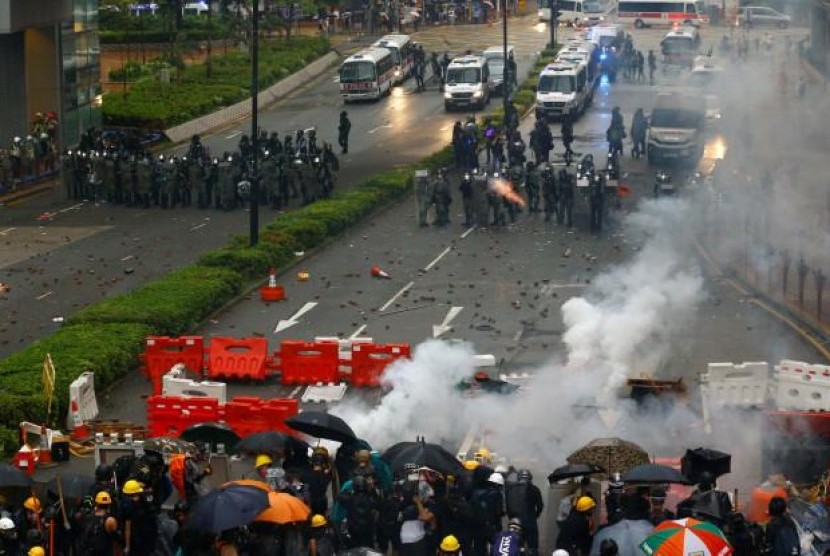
(686, 537)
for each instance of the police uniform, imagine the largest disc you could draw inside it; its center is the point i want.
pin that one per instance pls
(424, 195)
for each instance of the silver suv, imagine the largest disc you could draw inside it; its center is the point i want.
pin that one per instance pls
(757, 16)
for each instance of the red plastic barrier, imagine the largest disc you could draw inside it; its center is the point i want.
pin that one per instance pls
(309, 362)
(171, 415)
(237, 358)
(162, 352)
(249, 415)
(369, 361)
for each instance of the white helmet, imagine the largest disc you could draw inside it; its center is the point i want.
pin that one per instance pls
(496, 478)
(6, 524)
(560, 552)
(502, 469)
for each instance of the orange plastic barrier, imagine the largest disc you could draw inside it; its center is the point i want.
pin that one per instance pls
(170, 415)
(162, 352)
(249, 415)
(238, 358)
(309, 362)
(369, 361)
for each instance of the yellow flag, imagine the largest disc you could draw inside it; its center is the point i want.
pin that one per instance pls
(48, 382)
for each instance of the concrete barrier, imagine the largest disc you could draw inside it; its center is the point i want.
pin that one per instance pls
(242, 109)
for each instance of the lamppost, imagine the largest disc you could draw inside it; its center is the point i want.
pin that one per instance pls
(254, 169)
(554, 21)
(506, 76)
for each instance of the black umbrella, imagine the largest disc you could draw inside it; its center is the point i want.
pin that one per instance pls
(711, 504)
(11, 476)
(654, 474)
(322, 425)
(73, 485)
(166, 445)
(704, 460)
(228, 508)
(213, 434)
(573, 470)
(405, 457)
(269, 442)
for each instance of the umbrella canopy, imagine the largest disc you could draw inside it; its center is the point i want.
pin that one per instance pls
(627, 533)
(652, 473)
(284, 508)
(405, 457)
(166, 445)
(704, 460)
(322, 425)
(573, 470)
(213, 434)
(712, 504)
(686, 537)
(248, 483)
(227, 508)
(73, 485)
(13, 477)
(615, 455)
(263, 442)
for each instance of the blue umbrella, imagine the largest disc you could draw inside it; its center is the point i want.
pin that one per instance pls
(228, 508)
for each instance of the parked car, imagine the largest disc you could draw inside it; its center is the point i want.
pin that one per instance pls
(756, 16)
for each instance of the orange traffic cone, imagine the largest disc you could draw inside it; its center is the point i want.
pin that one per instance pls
(272, 291)
(377, 272)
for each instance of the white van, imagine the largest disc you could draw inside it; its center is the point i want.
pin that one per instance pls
(495, 60)
(403, 52)
(676, 127)
(585, 53)
(563, 88)
(583, 13)
(468, 83)
(604, 36)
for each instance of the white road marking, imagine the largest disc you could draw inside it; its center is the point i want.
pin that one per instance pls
(295, 391)
(372, 131)
(127, 258)
(396, 296)
(44, 296)
(444, 327)
(438, 258)
(197, 226)
(7, 230)
(234, 134)
(358, 332)
(73, 207)
(468, 232)
(284, 324)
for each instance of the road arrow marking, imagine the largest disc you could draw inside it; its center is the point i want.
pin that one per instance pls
(372, 131)
(444, 327)
(285, 324)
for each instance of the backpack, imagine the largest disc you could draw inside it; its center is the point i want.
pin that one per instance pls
(787, 542)
(177, 473)
(516, 497)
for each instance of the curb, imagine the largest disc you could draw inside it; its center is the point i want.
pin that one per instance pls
(26, 192)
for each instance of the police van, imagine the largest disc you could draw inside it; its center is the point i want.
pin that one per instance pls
(585, 53)
(468, 83)
(563, 88)
(403, 53)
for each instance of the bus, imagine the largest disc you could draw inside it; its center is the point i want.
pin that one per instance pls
(403, 53)
(367, 74)
(577, 13)
(643, 13)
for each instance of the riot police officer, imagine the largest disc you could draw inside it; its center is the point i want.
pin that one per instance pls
(466, 190)
(443, 198)
(550, 192)
(424, 195)
(567, 185)
(269, 185)
(532, 186)
(596, 200)
(494, 200)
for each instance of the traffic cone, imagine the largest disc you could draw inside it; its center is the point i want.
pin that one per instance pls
(79, 429)
(377, 272)
(272, 291)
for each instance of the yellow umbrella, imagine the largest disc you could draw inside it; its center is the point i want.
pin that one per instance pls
(284, 508)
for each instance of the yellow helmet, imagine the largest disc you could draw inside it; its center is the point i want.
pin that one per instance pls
(585, 504)
(132, 487)
(37, 551)
(471, 464)
(318, 521)
(450, 544)
(263, 459)
(483, 454)
(103, 498)
(32, 504)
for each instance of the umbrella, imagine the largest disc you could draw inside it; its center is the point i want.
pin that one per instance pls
(213, 434)
(227, 508)
(13, 477)
(405, 457)
(73, 485)
(711, 504)
(573, 470)
(696, 462)
(263, 442)
(627, 533)
(612, 454)
(322, 425)
(654, 474)
(166, 445)
(685, 537)
(284, 508)
(248, 483)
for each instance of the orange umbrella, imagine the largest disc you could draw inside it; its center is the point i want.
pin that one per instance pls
(284, 509)
(248, 482)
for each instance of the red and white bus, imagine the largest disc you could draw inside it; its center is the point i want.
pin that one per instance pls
(403, 52)
(645, 13)
(367, 74)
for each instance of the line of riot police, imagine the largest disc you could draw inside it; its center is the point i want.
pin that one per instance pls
(291, 168)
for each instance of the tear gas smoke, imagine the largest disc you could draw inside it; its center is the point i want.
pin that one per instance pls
(503, 188)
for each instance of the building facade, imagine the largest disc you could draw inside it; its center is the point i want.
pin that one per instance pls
(49, 62)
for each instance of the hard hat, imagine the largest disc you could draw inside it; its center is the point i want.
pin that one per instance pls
(103, 498)
(471, 464)
(560, 552)
(6, 524)
(482, 454)
(515, 524)
(585, 504)
(32, 504)
(263, 459)
(318, 521)
(496, 478)
(450, 544)
(37, 551)
(502, 469)
(132, 487)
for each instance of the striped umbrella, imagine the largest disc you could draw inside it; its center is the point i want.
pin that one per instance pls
(686, 537)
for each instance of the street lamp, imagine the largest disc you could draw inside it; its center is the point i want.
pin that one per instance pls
(506, 77)
(254, 178)
(554, 21)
